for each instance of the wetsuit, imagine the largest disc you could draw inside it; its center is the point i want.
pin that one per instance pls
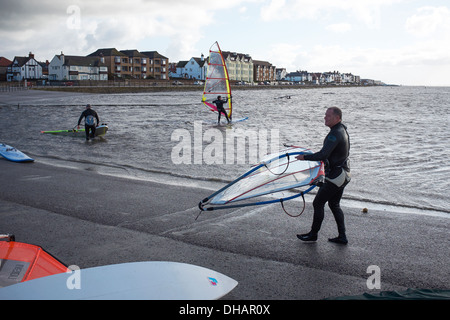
(220, 108)
(89, 125)
(334, 153)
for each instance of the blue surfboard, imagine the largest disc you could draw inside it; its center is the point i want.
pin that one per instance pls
(13, 154)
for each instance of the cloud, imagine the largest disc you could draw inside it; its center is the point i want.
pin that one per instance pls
(367, 11)
(79, 27)
(339, 27)
(287, 55)
(428, 21)
(415, 64)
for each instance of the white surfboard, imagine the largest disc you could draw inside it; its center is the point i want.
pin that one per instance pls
(153, 280)
(13, 154)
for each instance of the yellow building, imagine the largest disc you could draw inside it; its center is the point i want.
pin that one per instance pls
(240, 66)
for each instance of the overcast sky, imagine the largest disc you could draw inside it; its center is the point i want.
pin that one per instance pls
(403, 42)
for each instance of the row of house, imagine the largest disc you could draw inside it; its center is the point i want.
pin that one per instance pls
(322, 78)
(110, 63)
(102, 64)
(241, 67)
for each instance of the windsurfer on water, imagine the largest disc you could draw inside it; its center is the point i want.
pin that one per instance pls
(219, 104)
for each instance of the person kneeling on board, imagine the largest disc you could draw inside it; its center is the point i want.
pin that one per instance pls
(89, 121)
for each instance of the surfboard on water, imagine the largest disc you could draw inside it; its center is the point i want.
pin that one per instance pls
(224, 123)
(13, 154)
(100, 131)
(151, 280)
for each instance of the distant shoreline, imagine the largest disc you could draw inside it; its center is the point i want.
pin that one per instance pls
(138, 89)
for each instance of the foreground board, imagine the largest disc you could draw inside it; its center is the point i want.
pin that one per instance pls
(153, 280)
(13, 154)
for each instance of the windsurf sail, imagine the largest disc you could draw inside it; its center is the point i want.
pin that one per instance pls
(21, 262)
(275, 173)
(217, 81)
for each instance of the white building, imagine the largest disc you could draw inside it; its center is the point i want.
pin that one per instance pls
(64, 68)
(195, 68)
(24, 68)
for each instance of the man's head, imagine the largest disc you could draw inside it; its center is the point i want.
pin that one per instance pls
(88, 106)
(333, 116)
(219, 97)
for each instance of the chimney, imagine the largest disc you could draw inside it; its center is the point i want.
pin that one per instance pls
(202, 57)
(30, 55)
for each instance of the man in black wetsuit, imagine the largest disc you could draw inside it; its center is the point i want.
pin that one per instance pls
(334, 153)
(219, 104)
(89, 121)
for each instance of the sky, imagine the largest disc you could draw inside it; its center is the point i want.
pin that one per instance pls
(404, 42)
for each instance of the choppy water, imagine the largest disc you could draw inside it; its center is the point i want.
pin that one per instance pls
(400, 137)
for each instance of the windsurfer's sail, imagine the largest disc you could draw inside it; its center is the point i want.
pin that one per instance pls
(275, 173)
(217, 81)
(21, 262)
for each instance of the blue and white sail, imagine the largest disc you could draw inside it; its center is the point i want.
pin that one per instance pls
(275, 173)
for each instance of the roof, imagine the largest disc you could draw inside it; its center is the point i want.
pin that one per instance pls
(106, 52)
(110, 52)
(21, 60)
(181, 64)
(236, 56)
(133, 53)
(81, 61)
(153, 54)
(5, 62)
(200, 62)
(262, 63)
(296, 73)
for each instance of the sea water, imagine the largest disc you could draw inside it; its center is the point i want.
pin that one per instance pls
(400, 138)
